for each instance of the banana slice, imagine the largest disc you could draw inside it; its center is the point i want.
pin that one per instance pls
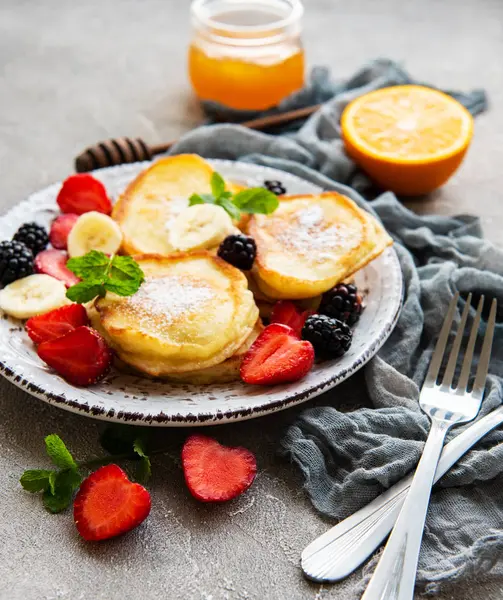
(33, 295)
(94, 231)
(199, 227)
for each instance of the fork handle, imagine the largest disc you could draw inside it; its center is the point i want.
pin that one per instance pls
(395, 574)
(339, 551)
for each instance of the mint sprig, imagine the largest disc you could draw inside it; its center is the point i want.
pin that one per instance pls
(101, 274)
(251, 200)
(58, 486)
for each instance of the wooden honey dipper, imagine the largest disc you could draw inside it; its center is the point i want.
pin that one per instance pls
(122, 150)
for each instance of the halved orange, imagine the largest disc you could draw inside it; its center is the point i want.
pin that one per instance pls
(409, 139)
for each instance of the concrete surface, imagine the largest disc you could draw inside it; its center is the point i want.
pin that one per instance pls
(76, 72)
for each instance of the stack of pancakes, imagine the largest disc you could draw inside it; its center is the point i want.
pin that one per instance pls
(195, 316)
(192, 319)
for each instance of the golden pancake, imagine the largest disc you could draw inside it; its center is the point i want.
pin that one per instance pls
(193, 311)
(308, 245)
(157, 196)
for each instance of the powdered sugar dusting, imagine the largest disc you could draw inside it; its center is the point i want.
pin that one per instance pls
(310, 216)
(306, 235)
(168, 298)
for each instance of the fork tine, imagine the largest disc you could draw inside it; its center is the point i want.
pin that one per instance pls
(485, 355)
(467, 362)
(438, 354)
(453, 357)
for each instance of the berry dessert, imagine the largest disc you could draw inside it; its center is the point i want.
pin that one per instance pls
(33, 236)
(178, 278)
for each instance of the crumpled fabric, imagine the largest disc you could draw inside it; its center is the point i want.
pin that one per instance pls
(347, 458)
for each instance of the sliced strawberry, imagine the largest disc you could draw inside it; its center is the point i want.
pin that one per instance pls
(216, 473)
(56, 323)
(82, 357)
(277, 356)
(108, 504)
(60, 229)
(53, 263)
(287, 313)
(83, 193)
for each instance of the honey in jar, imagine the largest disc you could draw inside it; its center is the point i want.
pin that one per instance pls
(246, 54)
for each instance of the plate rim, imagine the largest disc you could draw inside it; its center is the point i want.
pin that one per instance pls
(162, 419)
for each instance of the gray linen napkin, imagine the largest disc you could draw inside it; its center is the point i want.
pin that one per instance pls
(348, 458)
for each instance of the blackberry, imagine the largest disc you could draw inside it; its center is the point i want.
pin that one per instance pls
(342, 302)
(329, 337)
(276, 187)
(16, 261)
(238, 250)
(32, 235)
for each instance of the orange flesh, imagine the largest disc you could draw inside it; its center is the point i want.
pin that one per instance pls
(408, 125)
(409, 139)
(244, 85)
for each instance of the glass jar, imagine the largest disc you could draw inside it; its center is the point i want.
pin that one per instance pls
(246, 54)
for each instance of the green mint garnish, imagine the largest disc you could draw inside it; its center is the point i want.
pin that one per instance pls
(58, 486)
(58, 452)
(101, 274)
(251, 201)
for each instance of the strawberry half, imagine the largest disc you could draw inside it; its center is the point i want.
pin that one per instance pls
(56, 323)
(287, 313)
(53, 263)
(216, 473)
(277, 356)
(82, 357)
(83, 193)
(108, 504)
(60, 229)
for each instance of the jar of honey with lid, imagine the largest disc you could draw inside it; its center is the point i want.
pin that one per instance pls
(246, 54)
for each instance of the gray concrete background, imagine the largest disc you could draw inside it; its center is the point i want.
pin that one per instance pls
(73, 73)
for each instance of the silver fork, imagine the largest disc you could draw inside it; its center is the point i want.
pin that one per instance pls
(446, 406)
(339, 551)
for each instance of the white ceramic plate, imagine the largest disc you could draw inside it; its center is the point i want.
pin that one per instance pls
(131, 399)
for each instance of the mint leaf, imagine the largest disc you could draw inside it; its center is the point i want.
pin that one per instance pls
(230, 208)
(201, 199)
(55, 503)
(61, 493)
(58, 452)
(85, 292)
(256, 200)
(52, 481)
(125, 276)
(93, 265)
(126, 268)
(144, 470)
(35, 480)
(139, 447)
(217, 185)
(122, 288)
